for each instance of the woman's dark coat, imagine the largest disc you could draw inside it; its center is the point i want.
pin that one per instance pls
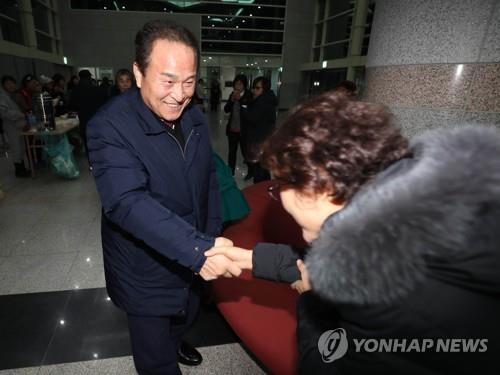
(414, 255)
(260, 117)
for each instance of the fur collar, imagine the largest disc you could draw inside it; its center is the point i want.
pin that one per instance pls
(376, 248)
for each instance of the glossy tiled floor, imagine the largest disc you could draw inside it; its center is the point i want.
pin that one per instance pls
(55, 315)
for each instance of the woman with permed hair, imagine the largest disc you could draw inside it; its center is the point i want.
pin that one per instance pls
(401, 276)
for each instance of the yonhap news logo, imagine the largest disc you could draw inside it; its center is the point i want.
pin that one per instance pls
(333, 344)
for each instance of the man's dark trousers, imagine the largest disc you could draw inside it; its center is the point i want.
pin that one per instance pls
(155, 339)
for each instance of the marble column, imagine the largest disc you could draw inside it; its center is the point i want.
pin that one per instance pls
(436, 62)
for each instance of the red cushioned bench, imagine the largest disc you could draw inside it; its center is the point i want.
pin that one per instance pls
(262, 312)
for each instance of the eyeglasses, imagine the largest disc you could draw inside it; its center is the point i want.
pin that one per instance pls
(274, 191)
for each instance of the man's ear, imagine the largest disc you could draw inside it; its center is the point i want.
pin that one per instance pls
(137, 74)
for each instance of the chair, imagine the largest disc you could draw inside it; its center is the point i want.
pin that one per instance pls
(262, 312)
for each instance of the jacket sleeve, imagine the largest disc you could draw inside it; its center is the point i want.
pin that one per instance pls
(275, 262)
(314, 316)
(214, 225)
(122, 185)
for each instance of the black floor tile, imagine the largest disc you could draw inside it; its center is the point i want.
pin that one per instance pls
(31, 333)
(27, 324)
(94, 328)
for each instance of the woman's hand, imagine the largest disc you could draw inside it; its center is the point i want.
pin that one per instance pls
(222, 241)
(302, 285)
(242, 257)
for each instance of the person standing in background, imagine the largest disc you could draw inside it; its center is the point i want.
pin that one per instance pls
(106, 87)
(215, 94)
(235, 129)
(124, 80)
(59, 93)
(86, 99)
(72, 83)
(199, 95)
(260, 120)
(13, 123)
(152, 162)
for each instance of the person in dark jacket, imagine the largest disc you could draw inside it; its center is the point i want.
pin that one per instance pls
(402, 273)
(85, 99)
(152, 163)
(236, 106)
(215, 95)
(260, 120)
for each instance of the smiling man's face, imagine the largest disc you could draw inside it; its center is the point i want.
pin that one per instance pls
(169, 81)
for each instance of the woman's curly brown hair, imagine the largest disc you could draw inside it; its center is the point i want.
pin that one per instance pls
(333, 144)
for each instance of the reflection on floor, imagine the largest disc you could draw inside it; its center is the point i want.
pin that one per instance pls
(55, 316)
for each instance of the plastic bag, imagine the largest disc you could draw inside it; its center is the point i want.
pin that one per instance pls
(59, 153)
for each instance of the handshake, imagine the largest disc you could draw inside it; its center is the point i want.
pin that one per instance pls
(225, 260)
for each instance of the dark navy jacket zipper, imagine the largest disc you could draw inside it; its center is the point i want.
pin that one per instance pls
(183, 151)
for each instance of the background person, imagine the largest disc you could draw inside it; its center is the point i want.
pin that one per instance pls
(347, 88)
(13, 123)
(59, 93)
(106, 87)
(86, 99)
(404, 238)
(215, 94)
(236, 105)
(260, 120)
(124, 80)
(199, 95)
(72, 83)
(152, 162)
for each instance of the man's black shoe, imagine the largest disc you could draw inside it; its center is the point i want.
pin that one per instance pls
(187, 355)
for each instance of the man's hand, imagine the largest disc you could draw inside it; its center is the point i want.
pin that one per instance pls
(302, 285)
(241, 257)
(219, 265)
